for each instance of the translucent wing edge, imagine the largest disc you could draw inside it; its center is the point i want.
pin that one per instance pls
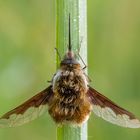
(28, 111)
(111, 112)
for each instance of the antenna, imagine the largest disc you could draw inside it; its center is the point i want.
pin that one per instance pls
(69, 45)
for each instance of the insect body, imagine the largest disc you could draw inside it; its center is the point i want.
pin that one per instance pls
(69, 99)
(70, 103)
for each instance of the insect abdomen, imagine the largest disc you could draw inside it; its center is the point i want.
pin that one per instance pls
(70, 103)
(69, 110)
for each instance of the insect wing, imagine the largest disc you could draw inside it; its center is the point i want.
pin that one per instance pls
(109, 111)
(27, 111)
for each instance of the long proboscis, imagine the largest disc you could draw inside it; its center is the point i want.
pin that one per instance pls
(69, 46)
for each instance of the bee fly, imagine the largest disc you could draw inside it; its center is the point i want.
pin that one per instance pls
(69, 99)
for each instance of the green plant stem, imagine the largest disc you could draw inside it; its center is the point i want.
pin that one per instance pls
(77, 11)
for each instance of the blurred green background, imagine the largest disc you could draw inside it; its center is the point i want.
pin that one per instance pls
(27, 61)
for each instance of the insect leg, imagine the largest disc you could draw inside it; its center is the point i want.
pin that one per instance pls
(58, 54)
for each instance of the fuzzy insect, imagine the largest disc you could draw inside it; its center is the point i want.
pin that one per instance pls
(69, 99)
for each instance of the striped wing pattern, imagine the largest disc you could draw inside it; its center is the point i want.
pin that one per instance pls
(109, 111)
(28, 111)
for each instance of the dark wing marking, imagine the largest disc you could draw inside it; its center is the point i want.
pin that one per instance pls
(27, 111)
(109, 111)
